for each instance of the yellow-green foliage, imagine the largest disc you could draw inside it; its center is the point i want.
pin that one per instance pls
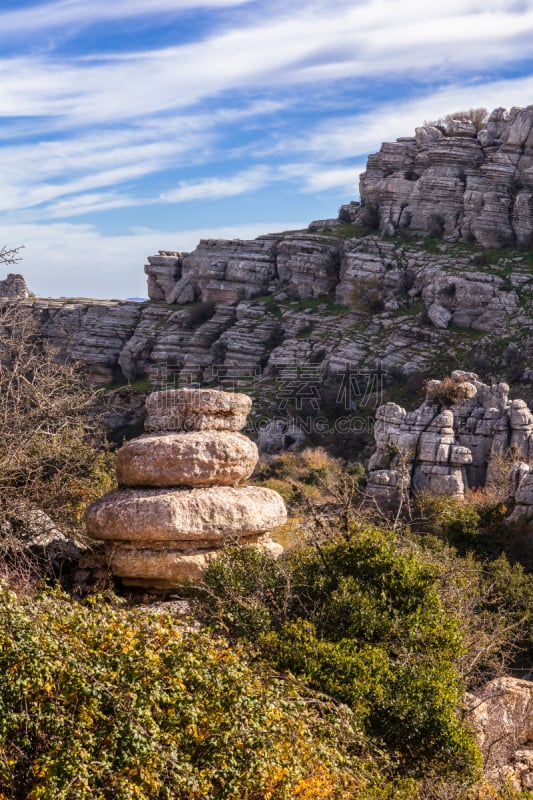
(362, 621)
(108, 704)
(309, 475)
(472, 522)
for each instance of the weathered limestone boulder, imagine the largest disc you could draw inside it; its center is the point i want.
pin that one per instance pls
(161, 537)
(201, 458)
(161, 566)
(502, 716)
(463, 180)
(14, 288)
(456, 439)
(439, 315)
(196, 410)
(163, 271)
(200, 515)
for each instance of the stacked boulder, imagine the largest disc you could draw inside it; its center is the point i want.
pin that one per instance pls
(180, 499)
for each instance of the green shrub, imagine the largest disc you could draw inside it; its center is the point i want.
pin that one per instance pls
(102, 703)
(473, 523)
(361, 621)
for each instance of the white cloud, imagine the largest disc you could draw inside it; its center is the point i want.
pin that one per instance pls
(217, 188)
(305, 44)
(347, 137)
(109, 121)
(314, 178)
(47, 16)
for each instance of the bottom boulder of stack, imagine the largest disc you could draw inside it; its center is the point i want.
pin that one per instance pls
(167, 565)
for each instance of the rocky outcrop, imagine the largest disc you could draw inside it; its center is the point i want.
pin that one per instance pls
(397, 304)
(502, 717)
(182, 502)
(521, 491)
(456, 439)
(225, 272)
(463, 181)
(329, 301)
(176, 410)
(163, 271)
(14, 288)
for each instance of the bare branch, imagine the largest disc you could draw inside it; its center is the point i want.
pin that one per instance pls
(10, 255)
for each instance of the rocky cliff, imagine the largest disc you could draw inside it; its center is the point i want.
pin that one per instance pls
(331, 320)
(469, 180)
(327, 302)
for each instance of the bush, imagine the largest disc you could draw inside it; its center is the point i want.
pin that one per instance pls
(99, 702)
(473, 523)
(54, 456)
(303, 476)
(447, 392)
(478, 116)
(361, 621)
(366, 295)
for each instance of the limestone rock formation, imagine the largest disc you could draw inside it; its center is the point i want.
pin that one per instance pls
(190, 410)
(502, 716)
(329, 300)
(163, 271)
(201, 458)
(521, 490)
(159, 537)
(225, 272)
(335, 304)
(458, 180)
(195, 515)
(14, 288)
(456, 439)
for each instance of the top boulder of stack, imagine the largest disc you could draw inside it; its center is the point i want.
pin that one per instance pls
(196, 410)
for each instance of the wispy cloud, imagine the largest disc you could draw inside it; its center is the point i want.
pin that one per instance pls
(312, 43)
(346, 137)
(47, 16)
(259, 100)
(216, 188)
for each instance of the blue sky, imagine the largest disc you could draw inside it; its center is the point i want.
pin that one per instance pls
(130, 126)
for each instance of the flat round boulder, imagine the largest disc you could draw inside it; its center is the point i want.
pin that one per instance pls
(213, 514)
(163, 566)
(196, 410)
(201, 458)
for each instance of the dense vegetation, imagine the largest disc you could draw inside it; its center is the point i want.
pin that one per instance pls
(338, 671)
(99, 702)
(362, 622)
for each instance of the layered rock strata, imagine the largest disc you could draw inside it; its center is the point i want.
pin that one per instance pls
(458, 438)
(466, 181)
(180, 499)
(394, 303)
